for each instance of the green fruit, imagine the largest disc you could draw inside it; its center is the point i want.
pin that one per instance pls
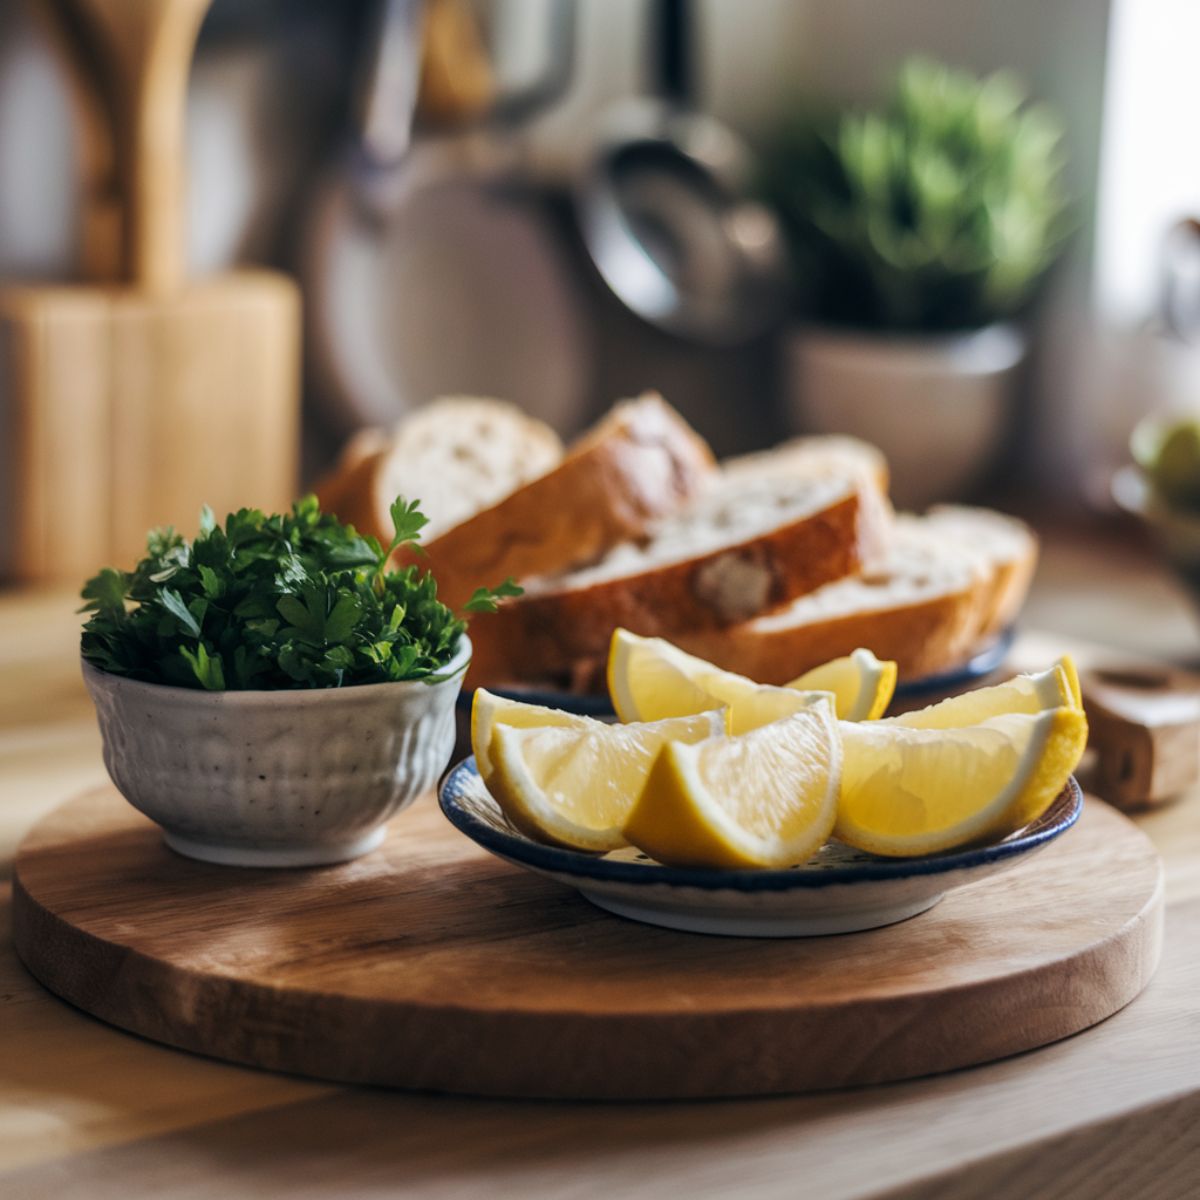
(1176, 470)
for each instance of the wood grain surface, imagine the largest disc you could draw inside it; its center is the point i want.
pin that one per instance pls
(146, 46)
(88, 1112)
(122, 412)
(430, 964)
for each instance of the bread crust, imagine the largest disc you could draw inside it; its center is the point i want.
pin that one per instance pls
(548, 632)
(349, 492)
(814, 455)
(357, 488)
(1012, 575)
(925, 638)
(637, 465)
(1010, 586)
(641, 463)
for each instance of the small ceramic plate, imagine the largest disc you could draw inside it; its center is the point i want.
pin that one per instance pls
(980, 665)
(839, 890)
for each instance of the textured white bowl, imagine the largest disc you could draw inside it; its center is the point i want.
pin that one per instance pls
(279, 778)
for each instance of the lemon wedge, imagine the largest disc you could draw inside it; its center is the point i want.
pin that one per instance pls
(1068, 665)
(764, 705)
(575, 784)
(489, 710)
(649, 679)
(767, 799)
(1056, 688)
(910, 791)
(862, 685)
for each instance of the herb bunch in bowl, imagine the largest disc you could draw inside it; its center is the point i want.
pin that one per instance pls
(282, 602)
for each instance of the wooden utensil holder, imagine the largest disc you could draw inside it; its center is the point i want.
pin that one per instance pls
(129, 404)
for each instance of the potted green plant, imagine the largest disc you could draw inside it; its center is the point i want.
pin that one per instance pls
(270, 692)
(919, 233)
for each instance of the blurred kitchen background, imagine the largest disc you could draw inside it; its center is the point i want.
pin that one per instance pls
(603, 196)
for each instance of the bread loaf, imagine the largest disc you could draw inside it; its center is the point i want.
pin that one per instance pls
(502, 498)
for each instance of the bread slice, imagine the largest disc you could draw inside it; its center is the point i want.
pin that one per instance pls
(456, 455)
(1010, 547)
(950, 581)
(754, 541)
(922, 604)
(832, 454)
(637, 466)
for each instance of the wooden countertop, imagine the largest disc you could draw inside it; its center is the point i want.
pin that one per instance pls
(88, 1111)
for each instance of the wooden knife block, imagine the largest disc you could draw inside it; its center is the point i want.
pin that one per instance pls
(122, 410)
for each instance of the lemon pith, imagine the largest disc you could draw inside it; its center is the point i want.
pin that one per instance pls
(1031, 693)
(862, 684)
(1068, 665)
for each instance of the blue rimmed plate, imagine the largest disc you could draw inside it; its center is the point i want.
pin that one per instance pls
(839, 890)
(979, 666)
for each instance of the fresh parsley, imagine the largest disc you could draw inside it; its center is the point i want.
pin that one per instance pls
(296, 600)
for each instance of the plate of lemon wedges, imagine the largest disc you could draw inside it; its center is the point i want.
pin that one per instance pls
(718, 805)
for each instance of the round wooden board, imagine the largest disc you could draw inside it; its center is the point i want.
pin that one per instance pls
(429, 964)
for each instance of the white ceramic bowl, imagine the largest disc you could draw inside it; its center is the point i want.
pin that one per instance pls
(278, 778)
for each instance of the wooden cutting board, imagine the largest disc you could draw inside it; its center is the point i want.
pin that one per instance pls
(429, 964)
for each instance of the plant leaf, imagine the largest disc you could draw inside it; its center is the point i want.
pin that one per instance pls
(487, 599)
(172, 601)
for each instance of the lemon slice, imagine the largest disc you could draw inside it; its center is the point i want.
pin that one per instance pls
(909, 791)
(574, 785)
(489, 710)
(649, 679)
(862, 684)
(767, 799)
(1056, 688)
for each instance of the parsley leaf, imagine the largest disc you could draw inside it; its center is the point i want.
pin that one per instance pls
(291, 600)
(487, 599)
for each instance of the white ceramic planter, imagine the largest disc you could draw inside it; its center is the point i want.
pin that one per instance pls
(275, 779)
(938, 407)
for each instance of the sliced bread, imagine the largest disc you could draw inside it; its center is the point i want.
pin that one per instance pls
(1010, 547)
(637, 466)
(754, 541)
(921, 604)
(832, 454)
(456, 455)
(949, 581)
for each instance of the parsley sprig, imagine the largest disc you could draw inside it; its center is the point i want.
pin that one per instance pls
(295, 600)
